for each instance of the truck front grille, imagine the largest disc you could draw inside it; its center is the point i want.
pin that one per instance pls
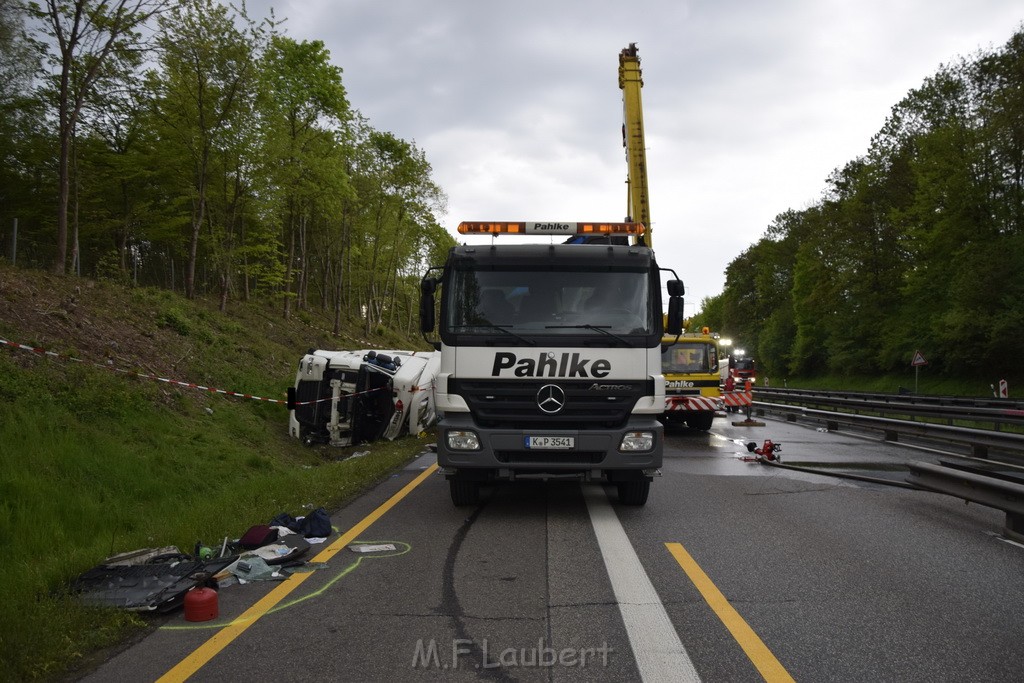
(588, 404)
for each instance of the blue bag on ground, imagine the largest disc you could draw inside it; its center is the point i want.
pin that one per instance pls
(285, 520)
(317, 524)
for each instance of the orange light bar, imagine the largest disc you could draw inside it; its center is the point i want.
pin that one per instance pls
(550, 228)
(611, 228)
(468, 228)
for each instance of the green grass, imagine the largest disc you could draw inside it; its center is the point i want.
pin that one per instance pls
(93, 465)
(94, 462)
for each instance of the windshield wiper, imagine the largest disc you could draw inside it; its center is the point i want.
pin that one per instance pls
(501, 328)
(588, 326)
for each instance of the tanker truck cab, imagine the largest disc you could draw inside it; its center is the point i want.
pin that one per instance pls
(550, 359)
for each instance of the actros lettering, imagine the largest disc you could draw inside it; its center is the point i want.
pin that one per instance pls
(550, 365)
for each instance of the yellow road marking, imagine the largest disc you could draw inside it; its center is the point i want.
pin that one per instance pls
(205, 652)
(213, 626)
(761, 657)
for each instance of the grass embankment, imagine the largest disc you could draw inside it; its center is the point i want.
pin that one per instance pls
(96, 462)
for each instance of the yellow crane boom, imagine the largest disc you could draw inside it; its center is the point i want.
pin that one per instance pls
(630, 82)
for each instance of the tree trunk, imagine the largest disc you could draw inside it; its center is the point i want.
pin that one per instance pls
(122, 241)
(303, 284)
(288, 269)
(337, 297)
(325, 283)
(193, 250)
(225, 282)
(63, 186)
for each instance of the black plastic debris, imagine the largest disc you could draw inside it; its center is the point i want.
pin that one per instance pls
(157, 585)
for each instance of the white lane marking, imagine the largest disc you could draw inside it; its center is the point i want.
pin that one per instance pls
(659, 653)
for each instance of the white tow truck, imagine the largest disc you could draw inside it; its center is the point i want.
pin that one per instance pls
(550, 358)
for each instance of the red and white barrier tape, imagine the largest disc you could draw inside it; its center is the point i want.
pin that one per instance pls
(332, 334)
(142, 375)
(179, 383)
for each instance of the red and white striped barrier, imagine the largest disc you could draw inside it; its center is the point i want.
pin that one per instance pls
(738, 399)
(691, 403)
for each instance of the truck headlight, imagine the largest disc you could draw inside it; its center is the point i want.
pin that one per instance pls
(637, 441)
(463, 440)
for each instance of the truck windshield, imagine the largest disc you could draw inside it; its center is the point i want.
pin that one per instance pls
(545, 302)
(689, 357)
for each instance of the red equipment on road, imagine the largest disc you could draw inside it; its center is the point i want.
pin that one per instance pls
(767, 451)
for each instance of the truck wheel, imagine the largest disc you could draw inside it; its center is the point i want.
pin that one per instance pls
(702, 421)
(634, 492)
(464, 492)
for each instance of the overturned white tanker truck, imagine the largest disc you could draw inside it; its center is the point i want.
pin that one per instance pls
(344, 398)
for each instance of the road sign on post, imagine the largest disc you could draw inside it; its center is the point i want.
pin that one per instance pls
(1004, 389)
(916, 363)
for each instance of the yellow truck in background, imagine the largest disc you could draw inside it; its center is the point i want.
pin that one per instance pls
(693, 392)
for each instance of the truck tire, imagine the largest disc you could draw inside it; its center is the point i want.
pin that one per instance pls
(701, 421)
(464, 492)
(634, 492)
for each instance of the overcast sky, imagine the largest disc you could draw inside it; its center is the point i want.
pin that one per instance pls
(748, 105)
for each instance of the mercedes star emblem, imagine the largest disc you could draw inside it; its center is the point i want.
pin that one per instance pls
(550, 398)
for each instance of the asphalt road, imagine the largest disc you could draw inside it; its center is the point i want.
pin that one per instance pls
(733, 571)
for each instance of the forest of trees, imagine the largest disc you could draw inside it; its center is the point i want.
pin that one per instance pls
(185, 145)
(917, 245)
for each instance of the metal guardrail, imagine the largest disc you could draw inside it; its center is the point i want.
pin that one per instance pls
(978, 441)
(993, 484)
(995, 411)
(989, 489)
(904, 397)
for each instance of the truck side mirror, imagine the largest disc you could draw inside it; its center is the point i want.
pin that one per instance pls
(675, 315)
(675, 288)
(428, 286)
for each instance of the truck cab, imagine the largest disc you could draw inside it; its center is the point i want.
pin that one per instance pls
(743, 370)
(550, 364)
(690, 363)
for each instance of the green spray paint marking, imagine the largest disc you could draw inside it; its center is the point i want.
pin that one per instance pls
(401, 549)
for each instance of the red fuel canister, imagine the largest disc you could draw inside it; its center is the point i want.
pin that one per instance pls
(201, 604)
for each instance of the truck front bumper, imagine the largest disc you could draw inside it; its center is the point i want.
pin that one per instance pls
(504, 452)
